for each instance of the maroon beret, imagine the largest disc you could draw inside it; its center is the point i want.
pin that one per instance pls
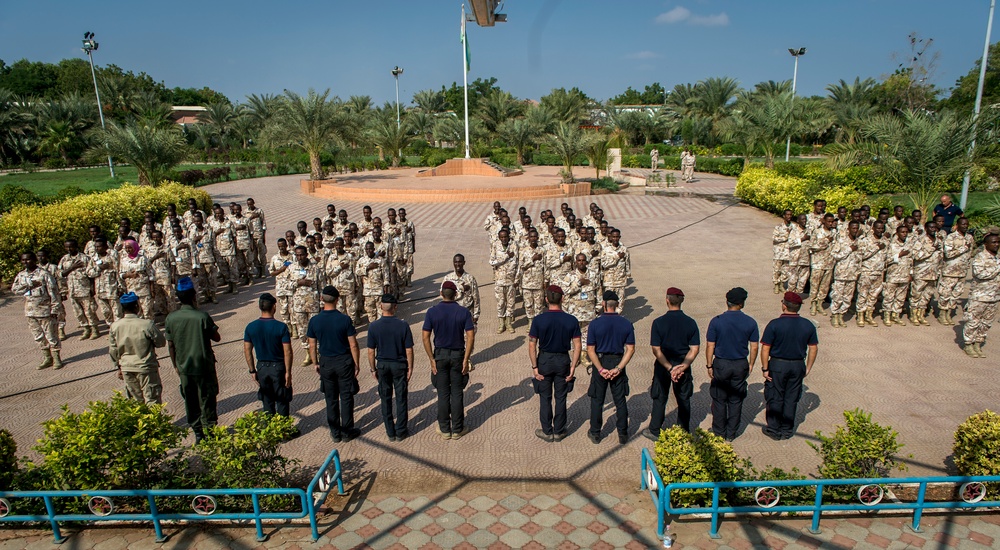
(674, 291)
(554, 288)
(448, 285)
(793, 297)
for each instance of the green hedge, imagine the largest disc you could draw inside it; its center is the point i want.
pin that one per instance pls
(769, 190)
(722, 166)
(47, 227)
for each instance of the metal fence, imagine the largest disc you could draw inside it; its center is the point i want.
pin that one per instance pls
(870, 494)
(203, 503)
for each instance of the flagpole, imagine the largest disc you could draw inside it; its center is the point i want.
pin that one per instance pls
(465, 80)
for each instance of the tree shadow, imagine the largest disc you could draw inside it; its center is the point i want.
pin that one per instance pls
(372, 418)
(499, 401)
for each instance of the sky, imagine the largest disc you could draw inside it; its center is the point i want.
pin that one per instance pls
(600, 46)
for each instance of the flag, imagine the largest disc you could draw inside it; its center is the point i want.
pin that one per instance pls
(465, 43)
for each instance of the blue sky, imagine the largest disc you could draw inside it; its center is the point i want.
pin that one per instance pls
(601, 47)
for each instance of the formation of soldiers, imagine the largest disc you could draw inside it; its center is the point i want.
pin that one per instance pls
(584, 256)
(855, 258)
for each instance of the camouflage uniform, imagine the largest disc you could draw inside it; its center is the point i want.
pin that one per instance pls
(365, 230)
(188, 218)
(107, 287)
(491, 224)
(845, 272)
(891, 224)
(504, 259)
(225, 250)
(926, 270)
(244, 246)
(616, 271)
(557, 268)
(581, 300)
(957, 259)
(304, 301)
(779, 253)
(798, 259)
(820, 247)
(398, 257)
(120, 241)
(897, 277)
(981, 310)
(466, 298)
(410, 236)
(531, 273)
(592, 250)
(373, 280)
(41, 305)
(203, 261)
(872, 278)
(340, 274)
(80, 290)
(814, 222)
(53, 270)
(139, 285)
(161, 281)
(282, 293)
(258, 230)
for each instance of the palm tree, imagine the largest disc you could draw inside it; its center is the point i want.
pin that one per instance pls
(764, 121)
(261, 108)
(60, 125)
(773, 87)
(430, 101)
(521, 134)
(218, 116)
(682, 99)
(451, 128)
(498, 107)
(422, 123)
(850, 104)
(149, 108)
(714, 95)
(390, 138)
(570, 107)
(311, 123)
(153, 150)
(15, 120)
(567, 141)
(542, 118)
(595, 146)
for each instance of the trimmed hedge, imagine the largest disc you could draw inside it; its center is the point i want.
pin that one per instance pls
(769, 190)
(721, 166)
(47, 227)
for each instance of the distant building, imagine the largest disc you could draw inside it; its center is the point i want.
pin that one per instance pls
(186, 114)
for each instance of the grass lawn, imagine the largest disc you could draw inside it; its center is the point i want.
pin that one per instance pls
(88, 179)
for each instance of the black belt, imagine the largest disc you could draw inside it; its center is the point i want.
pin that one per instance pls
(787, 360)
(553, 352)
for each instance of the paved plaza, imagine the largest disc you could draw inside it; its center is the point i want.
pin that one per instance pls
(915, 379)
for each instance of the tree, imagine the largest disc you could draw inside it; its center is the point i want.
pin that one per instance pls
(390, 138)
(60, 126)
(567, 106)
(260, 108)
(595, 146)
(15, 120)
(653, 94)
(763, 120)
(498, 107)
(714, 97)
(454, 96)
(567, 142)
(850, 104)
(909, 87)
(311, 123)
(521, 134)
(219, 117)
(963, 95)
(153, 150)
(192, 96)
(430, 101)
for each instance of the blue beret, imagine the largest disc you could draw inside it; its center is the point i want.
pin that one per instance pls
(185, 283)
(128, 298)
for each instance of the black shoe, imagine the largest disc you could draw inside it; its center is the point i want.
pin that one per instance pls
(336, 436)
(391, 437)
(648, 434)
(540, 434)
(351, 434)
(622, 439)
(595, 439)
(774, 436)
(400, 437)
(458, 435)
(559, 437)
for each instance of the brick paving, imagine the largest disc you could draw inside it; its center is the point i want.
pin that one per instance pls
(701, 244)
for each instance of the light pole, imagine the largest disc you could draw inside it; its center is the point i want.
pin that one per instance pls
(979, 101)
(89, 45)
(396, 71)
(795, 75)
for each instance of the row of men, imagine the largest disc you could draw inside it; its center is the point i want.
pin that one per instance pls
(859, 259)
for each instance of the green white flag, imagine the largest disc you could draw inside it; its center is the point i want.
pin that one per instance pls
(465, 43)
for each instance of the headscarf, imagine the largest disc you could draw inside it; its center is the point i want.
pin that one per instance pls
(132, 248)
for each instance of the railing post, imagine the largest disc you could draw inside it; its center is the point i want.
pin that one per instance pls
(340, 474)
(661, 511)
(51, 510)
(919, 510)
(817, 510)
(256, 517)
(154, 514)
(714, 533)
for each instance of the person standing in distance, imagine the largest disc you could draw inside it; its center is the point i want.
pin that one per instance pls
(454, 336)
(675, 342)
(269, 341)
(610, 345)
(390, 358)
(333, 347)
(732, 335)
(132, 344)
(190, 333)
(787, 353)
(554, 352)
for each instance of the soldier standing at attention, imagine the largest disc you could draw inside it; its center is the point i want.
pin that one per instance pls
(731, 337)
(492, 221)
(53, 269)
(79, 288)
(788, 350)
(798, 255)
(203, 258)
(820, 247)
(560, 257)
(340, 274)
(926, 271)
(410, 232)
(373, 271)
(132, 344)
(531, 266)
(847, 255)
(467, 293)
(779, 247)
(161, 282)
(104, 270)
(279, 265)
(225, 248)
(133, 268)
(258, 231)
(872, 276)
(958, 247)
(610, 345)
(244, 243)
(981, 309)
(898, 274)
(41, 307)
(580, 288)
(503, 258)
(303, 279)
(616, 267)
(675, 342)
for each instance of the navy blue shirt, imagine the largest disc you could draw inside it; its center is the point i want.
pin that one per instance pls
(789, 337)
(390, 337)
(331, 329)
(267, 337)
(610, 333)
(674, 333)
(949, 213)
(732, 331)
(449, 321)
(554, 330)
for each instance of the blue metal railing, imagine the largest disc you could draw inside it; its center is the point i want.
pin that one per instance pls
(203, 504)
(870, 493)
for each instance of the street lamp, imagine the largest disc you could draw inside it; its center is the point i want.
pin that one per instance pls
(795, 75)
(89, 45)
(396, 71)
(979, 101)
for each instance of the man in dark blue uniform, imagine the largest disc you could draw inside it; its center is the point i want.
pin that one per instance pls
(949, 210)
(731, 336)
(787, 353)
(554, 352)
(675, 342)
(333, 348)
(610, 345)
(454, 336)
(390, 357)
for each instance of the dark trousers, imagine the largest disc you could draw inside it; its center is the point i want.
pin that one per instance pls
(272, 392)
(782, 394)
(392, 378)
(660, 392)
(450, 384)
(599, 390)
(728, 390)
(336, 379)
(555, 368)
(199, 392)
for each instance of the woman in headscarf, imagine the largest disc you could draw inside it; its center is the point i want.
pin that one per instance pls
(134, 272)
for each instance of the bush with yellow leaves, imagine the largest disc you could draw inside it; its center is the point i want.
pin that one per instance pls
(47, 227)
(774, 191)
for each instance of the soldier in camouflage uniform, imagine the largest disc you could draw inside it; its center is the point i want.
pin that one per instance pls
(180, 251)
(304, 279)
(872, 277)
(79, 288)
(190, 213)
(958, 248)
(467, 293)
(203, 258)
(616, 267)
(258, 231)
(161, 281)
(897, 219)
(104, 270)
(981, 309)
(847, 255)
(926, 270)
(899, 267)
(492, 221)
(814, 219)
(394, 234)
(798, 255)
(373, 272)
(779, 251)
(366, 224)
(820, 263)
(41, 307)
(580, 287)
(244, 243)
(133, 269)
(279, 266)
(340, 275)
(531, 267)
(559, 256)
(410, 232)
(589, 247)
(503, 259)
(225, 248)
(53, 269)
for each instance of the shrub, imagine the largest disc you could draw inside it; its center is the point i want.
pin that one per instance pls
(860, 449)
(636, 161)
(8, 460)
(977, 448)
(768, 190)
(69, 192)
(54, 163)
(16, 195)
(789, 495)
(437, 157)
(605, 183)
(47, 227)
(191, 177)
(681, 457)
